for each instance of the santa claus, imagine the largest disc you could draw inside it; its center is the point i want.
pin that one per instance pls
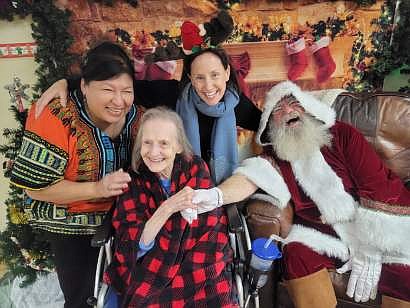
(350, 211)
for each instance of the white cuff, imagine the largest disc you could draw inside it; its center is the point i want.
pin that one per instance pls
(295, 47)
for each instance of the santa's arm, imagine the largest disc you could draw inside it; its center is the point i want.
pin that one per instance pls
(237, 188)
(263, 175)
(383, 217)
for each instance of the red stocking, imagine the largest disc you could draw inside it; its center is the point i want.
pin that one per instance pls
(298, 60)
(162, 70)
(140, 69)
(323, 58)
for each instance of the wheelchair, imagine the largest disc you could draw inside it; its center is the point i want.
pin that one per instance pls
(247, 280)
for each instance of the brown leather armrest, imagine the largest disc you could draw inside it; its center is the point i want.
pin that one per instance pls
(263, 219)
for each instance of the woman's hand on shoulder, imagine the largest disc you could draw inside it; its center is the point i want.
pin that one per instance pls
(57, 89)
(113, 184)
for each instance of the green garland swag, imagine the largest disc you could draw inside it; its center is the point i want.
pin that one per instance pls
(22, 249)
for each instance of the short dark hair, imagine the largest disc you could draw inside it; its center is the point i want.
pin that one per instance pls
(221, 54)
(105, 61)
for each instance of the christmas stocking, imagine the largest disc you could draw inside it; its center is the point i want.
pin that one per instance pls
(298, 60)
(140, 66)
(162, 70)
(323, 58)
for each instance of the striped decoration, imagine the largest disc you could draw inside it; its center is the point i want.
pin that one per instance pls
(18, 50)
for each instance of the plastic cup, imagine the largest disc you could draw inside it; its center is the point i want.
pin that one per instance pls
(263, 257)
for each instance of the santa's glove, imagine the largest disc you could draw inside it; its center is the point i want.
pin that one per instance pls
(366, 266)
(207, 199)
(323, 58)
(296, 51)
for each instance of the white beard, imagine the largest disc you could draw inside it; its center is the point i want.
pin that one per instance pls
(292, 144)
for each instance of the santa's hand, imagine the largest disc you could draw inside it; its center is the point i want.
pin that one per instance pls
(207, 199)
(366, 266)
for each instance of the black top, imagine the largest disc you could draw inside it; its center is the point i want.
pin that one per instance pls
(165, 93)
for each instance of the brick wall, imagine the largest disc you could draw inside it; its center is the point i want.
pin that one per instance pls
(91, 20)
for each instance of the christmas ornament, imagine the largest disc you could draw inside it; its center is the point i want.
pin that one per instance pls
(16, 92)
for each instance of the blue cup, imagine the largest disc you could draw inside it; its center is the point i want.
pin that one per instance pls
(263, 257)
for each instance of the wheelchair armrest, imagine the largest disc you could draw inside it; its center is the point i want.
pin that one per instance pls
(264, 219)
(234, 220)
(104, 232)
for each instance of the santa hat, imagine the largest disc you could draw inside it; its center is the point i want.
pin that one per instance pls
(191, 36)
(312, 106)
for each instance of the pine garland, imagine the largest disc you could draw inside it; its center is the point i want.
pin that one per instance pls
(233, 4)
(22, 249)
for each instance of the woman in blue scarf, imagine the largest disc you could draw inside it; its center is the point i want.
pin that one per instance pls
(209, 106)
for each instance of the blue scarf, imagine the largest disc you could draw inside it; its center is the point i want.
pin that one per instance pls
(224, 157)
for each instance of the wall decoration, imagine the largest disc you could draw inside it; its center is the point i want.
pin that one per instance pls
(17, 50)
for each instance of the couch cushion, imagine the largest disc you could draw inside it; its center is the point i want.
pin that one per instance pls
(384, 119)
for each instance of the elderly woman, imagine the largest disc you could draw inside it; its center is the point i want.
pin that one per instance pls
(208, 100)
(70, 164)
(160, 259)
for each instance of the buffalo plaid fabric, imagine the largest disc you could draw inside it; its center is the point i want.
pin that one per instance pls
(188, 265)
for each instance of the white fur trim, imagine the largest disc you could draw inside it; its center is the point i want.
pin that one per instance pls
(396, 260)
(388, 232)
(202, 30)
(167, 66)
(261, 172)
(325, 188)
(312, 106)
(295, 47)
(323, 42)
(319, 242)
(327, 96)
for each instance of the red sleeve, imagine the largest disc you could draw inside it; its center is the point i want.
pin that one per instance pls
(373, 180)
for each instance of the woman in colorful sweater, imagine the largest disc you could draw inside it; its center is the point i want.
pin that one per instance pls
(70, 164)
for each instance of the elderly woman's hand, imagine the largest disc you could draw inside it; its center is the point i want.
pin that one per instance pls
(181, 200)
(57, 89)
(113, 184)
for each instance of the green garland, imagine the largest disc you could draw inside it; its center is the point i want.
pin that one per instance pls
(229, 4)
(22, 249)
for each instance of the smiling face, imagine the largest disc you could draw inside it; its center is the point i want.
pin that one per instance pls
(209, 77)
(159, 145)
(288, 113)
(108, 101)
(294, 133)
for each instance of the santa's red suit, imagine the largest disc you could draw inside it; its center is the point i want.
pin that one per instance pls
(344, 198)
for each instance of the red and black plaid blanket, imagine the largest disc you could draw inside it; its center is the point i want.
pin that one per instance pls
(188, 266)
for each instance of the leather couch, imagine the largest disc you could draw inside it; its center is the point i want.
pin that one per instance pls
(384, 119)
